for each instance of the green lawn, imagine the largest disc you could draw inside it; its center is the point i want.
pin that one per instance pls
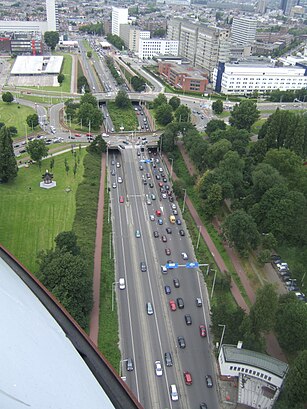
(66, 70)
(122, 117)
(16, 115)
(30, 219)
(257, 125)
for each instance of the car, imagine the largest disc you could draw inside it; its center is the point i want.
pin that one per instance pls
(158, 212)
(148, 201)
(118, 165)
(176, 283)
(129, 364)
(153, 197)
(113, 172)
(187, 378)
(180, 303)
(158, 177)
(181, 342)
(178, 221)
(149, 308)
(173, 392)
(167, 290)
(160, 170)
(137, 234)
(143, 266)
(89, 134)
(202, 331)
(163, 270)
(164, 239)
(164, 180)
(148, 175)
(156, 234)
(199, 302)
(141, 167)
(203, 405)
(168, 359)
(160, 184)
(121, 283)
(168, 251)
(160, 221)
(174, 207)
(175, 212)
(181, 232)
(164, 196)
(78, 135)
(188, 319)
(152, 218)
(166, 187)
(151, 185)
(209, 381)
(168, 230)
(172, 305)
(121, 199)
(119, 179)
(158, 368)
(184, 256)
(114, 185)
(112, 162)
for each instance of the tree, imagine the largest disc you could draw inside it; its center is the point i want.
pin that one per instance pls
(138, 83)
(51, 38)
(159, 100)
(263, 311)
(61, 78)
(7, 97)
(174, 103)
(183, 114)
(37, 149)
(12, 130)
(264, 177)
(164, 114)
(296, 381)
(98, 146)
(244, 115)
(231, 318)
(89, 54)
(241, 230)
(214, 200)
(90, 115)
(67, 241)
(116, 41)
(122, 100)
(217, 151)
(214, 125)
(88, 98)
(8, 164)
(217, 107)
(32, 120)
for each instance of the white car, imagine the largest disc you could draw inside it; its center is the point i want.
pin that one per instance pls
(164, 196)
(163, 270)
(184, 256)
(173, 392)
(114, 185)
(121, 283)
(174, 207)
(158, 368)
(119, 179)
(117, 164)
(152, 218)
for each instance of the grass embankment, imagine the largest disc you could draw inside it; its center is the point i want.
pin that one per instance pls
(122, 117)
(66, 70)
(31, 219)
(16, 115)
(108, 319)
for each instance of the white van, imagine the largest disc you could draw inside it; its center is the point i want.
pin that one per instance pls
(121, 283)
(149, 308)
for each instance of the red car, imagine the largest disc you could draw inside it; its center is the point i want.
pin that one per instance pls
(77, 135)
(158, 212)
(160, 184)
(187, 378)
(168, 252)
(202, 331)
(89, 134)
(121, 199)
(172, 304)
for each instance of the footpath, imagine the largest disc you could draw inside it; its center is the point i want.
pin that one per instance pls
(272, 345)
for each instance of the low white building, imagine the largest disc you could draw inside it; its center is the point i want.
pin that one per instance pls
(149, 48)
(260, 376)
(241, 79)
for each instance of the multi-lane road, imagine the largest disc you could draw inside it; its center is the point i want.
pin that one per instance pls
(146, 338)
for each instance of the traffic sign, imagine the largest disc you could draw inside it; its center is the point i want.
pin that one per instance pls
(170, 266)
(192, 264)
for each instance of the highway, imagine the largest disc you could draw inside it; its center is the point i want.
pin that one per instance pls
(145, 338)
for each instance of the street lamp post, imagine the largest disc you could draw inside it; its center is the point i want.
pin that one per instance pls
(199, 229)
(112, 289)
(172, 167)
(161, 138)
(222, 336)
(213, 284)
(184, 199)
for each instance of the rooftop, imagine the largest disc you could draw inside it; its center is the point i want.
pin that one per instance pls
(37, 65)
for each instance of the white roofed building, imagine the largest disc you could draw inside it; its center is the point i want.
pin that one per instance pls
(37, 65)
(151, 47)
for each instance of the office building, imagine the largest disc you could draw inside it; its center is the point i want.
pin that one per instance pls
(119, 16)
(132, 35)
(153, 47)
(243, 30)
(244, 79)
(286, 6)
(52, 15)
(262, 6)
(201, 45)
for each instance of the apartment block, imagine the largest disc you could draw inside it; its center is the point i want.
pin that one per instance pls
(149, 48)
(183, 77)
(243, 30)
(119, 16)
(132, 35)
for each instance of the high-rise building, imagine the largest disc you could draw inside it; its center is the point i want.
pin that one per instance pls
(151, 47)
(286, 5)
(261, 6)
(119, 16)
(243, 30)
(52, 15)
(132, 35)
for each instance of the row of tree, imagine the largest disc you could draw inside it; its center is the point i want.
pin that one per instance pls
(86, 112)
(110, 64)
(138, 83)
(116, 41)
(168, 111)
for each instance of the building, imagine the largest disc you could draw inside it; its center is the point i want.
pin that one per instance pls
(243, 30)
(260, 377)
(175, 2)
(149, 48)
(286, 6)
(262, 6)
(243, 79)
(183, 77)
(131, 36)
(203, 46)
(55, 363)
(119, 16)
(21, 43)
(52, 15)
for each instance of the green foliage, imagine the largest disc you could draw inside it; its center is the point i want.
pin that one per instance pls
(61, 78)
(244, 115)
(174, 102)
(214, 125)
(93, 28)
(159, 33)
(89, 99)
(66, 241)
(51, 38)
(8, 165)
(32, 121)
(138, 83)
(82, 84)
(183, 114)
(263, 311)
(116, 41)
(123, 117)
(122, 100)
(159, 100)
(98, 146)
(296, 381)
(7, 97)
(287, 96)
(110, 63)
(164, 114)
(231, 318)
(37, 149)
(217, 107)
(89, 54)
(90, 114)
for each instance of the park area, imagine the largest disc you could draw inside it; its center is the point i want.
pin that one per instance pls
(30, 216)
(16, 115)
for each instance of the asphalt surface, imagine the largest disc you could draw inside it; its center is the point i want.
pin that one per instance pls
(146, 338)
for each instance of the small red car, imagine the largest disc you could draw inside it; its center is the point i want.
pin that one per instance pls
(202, 331)
(158, 212)
(89, 134)
(187, 378)
(172, 304)
(121, 199)
(77, 135)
